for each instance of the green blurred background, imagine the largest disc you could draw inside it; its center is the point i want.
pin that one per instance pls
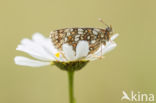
(131, 66)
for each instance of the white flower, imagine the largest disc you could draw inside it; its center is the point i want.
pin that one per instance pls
(42, 49)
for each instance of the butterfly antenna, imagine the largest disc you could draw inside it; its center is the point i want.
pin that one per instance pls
(103, 22)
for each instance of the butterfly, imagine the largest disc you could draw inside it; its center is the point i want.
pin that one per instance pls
(94, 36)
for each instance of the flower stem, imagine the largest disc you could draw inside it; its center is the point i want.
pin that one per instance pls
(71, 89)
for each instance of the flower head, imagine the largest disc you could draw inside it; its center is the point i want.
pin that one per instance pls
(46, 52)
(69, 49)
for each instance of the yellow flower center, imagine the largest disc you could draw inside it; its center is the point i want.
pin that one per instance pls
(57, 55)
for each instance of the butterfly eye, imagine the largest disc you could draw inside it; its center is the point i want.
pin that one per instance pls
(109, 29)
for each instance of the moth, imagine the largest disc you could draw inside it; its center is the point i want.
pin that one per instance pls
(94, 36)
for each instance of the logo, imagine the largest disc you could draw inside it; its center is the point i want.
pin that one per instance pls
(137, 96)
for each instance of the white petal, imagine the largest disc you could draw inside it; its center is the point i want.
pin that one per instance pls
(47, 44)
(68, 52)
(105, 49)
(108, 48)
(114, 36)
(82, 49)
(20, 60)
(38, 37)
(36, 49)
(92, 58)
